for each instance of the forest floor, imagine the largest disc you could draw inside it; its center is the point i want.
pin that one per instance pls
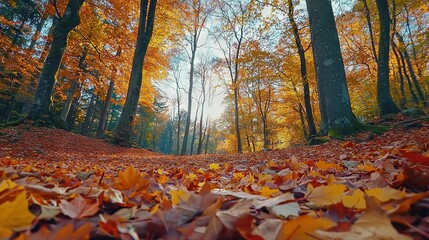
(60, 185)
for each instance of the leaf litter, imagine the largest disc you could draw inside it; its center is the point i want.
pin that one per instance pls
(56, 185)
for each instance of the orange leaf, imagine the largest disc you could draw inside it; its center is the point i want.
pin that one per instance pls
(302, 227)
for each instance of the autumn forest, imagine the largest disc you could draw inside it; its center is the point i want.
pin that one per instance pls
(214, 119)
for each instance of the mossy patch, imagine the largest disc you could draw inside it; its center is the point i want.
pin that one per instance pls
(356, 127)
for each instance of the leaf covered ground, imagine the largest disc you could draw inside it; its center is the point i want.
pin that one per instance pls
(59, 185)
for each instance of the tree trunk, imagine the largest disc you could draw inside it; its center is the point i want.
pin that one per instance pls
(42, 99)
(371, 34)
(194, 134)
(334, 101)
(386, 105)
(105, 110)
(207, 139)
(191, 87)
(145, 30)
(304, 76)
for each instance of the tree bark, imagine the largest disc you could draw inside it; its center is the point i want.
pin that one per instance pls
(105, 111)
(386, 105)
(191, 87)
(371, 34)
(304, 76)
(334, 100)
(145, 30)
(42, 99)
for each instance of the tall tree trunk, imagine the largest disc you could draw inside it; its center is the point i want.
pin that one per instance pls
(301, 117)
(334, 98)
(105, 110)
(42, 99)
(386, 105)
(145, 30)
(304, 76)
(411, 69)
(371, 34)
(191, 87)
(200, 134)
(37, 32)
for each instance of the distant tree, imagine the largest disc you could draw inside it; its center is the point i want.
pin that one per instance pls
(384, 99)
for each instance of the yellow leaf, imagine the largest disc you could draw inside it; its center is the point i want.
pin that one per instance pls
(325, 195)
(214, 166)
(302, 227)
(14, 214)
(356, 200)
(264, 177)
(179, 195)
(385, 194)
(267, 191)
(366, 168)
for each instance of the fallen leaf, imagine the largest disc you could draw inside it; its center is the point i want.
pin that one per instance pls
(325, 195)
(79, 207)
(15, 215)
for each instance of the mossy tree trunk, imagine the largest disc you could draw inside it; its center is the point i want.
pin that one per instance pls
(334, 98)
(42, 100)
(145, 30)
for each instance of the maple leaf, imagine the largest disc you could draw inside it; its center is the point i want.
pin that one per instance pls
(214, 166)
(130, 180)
(325, 195)
(79, 207)
(15, 215)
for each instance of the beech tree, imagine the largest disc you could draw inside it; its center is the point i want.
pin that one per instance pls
(334, 101)
(145, 30)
